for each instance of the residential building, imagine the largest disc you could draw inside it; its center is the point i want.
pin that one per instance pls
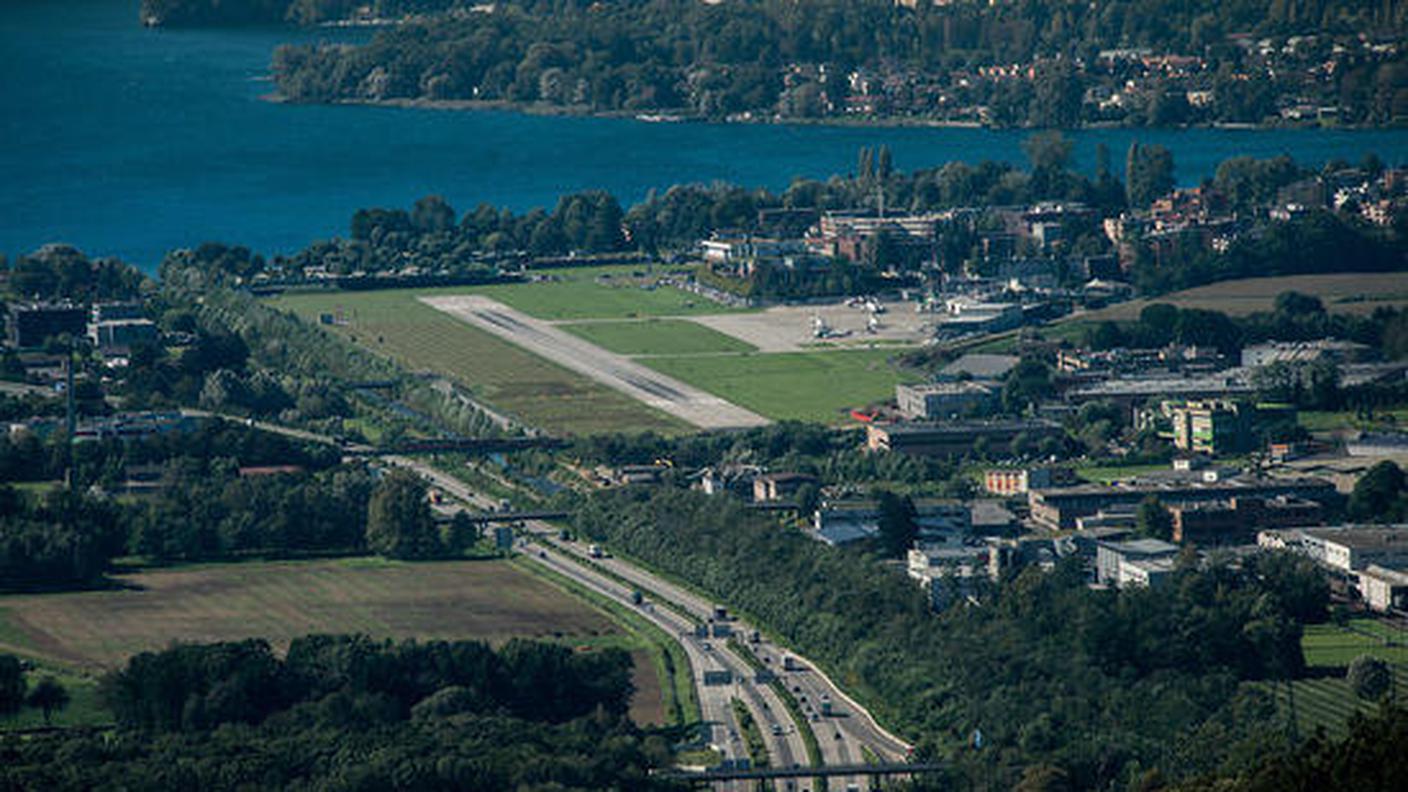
(1212, 426)
(954, 438)
(1018, 481)
(941, 399)
(729, 479)
(1058, 509)
(31, 324)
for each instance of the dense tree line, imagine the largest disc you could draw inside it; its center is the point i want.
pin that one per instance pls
(716, 60)
(206, 510)
(1317, 241)
(347, 712)
(62, 272)
(60, 540)
(433, 234)
(28, 457)
(201, 13)
(834, 457)
(204, 686)
(1048, 669)
(1369, 757)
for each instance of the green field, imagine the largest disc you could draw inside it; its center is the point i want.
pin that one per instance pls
(1332, 645)
(657, 337)
(806, 386)
(593, 293)
(1335, 421)
(1098, 474)
(84, 633)
(1349, 292)
(534, 390)
(1327, 702)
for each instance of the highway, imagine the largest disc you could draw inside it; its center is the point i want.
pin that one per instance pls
(841, 736)
(705, 654)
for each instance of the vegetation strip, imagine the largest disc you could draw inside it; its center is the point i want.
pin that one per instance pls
(671, 662)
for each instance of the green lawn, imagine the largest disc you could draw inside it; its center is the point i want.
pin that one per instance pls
(593, 293)
(1105, 474)
(657, 337)
(1332, 645)
(1327, 701)
(1332, 421)
(807, 386)
(505, 376)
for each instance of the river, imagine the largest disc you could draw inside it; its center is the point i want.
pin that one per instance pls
(127, 141)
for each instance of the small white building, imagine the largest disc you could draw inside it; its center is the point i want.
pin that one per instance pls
(1344, 549)
(1384, 589)
(1127, 563)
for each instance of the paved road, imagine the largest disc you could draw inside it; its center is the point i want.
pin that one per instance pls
(716, 701)
(664, 393)
(812, 681)
(853, 724)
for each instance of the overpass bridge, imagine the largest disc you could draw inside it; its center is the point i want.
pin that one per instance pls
(506, 517)
(465, 445)
(872, 771)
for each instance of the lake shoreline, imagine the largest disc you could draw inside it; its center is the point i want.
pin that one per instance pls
(666, 117)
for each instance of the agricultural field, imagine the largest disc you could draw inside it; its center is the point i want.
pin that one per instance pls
(804, 386)
(657, 337)
(506, 376)
(84, 633)
(1341, 293)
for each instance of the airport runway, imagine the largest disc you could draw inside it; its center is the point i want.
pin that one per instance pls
(666, 394)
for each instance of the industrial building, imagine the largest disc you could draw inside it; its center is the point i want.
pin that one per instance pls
(31, 324)
(941, 399)
(1058, 509)
(1238, 518)
(954, 438)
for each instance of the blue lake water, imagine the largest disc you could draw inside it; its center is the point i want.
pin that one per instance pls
(129, 142)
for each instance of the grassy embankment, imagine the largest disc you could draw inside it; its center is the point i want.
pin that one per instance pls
(1324, 699)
